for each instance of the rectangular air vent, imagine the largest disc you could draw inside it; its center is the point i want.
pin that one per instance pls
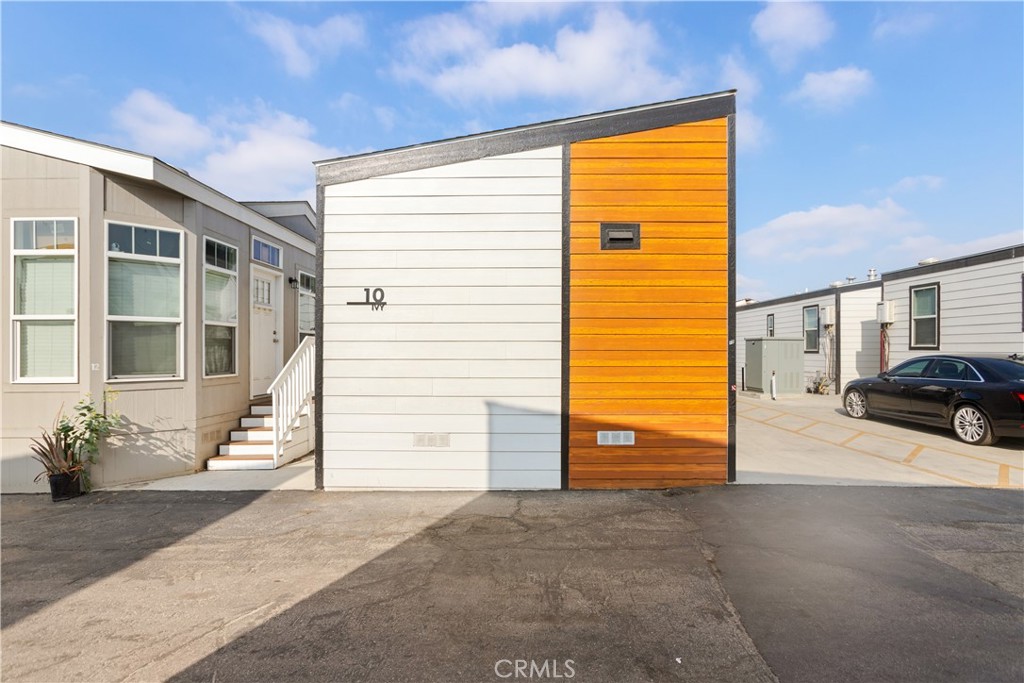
(427, 440)
(620, 236)
(616, 438)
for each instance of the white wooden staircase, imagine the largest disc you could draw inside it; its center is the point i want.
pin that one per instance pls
(278, 431)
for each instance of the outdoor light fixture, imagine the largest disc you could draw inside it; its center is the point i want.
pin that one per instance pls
(293, 282)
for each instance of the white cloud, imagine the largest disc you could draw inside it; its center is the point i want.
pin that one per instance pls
(903, 25)
(917, 182)
(607, 64)
(303, 47)
(788, 29)
(386, 117)
(828, 232)
(751, 288)
(832, 90)
(915, 248)
(248, 152)
(155, 127)
(751, 131)
(514, 13)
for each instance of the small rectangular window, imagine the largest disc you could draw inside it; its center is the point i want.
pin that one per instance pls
(45, 306)
(924, 316)
(264, 252)
(771, 325)
(810, 329)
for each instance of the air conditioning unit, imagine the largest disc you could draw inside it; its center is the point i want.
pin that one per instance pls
(828, 315)
(886, 312)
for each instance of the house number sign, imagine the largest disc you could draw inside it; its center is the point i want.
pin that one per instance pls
(374, 299)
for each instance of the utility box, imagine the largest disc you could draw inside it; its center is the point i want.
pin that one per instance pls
(784, 355)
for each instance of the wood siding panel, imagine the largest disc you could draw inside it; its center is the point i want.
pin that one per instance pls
(648, 328)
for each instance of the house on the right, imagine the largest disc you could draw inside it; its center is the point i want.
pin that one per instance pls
(972, 304)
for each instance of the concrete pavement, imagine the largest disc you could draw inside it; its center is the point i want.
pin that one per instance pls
(809, 439)
(717, 584)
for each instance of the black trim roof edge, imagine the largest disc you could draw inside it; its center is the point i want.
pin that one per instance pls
(867, 284)
(1003, 254)
(526, 137)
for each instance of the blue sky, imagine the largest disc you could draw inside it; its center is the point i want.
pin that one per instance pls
(870, 134)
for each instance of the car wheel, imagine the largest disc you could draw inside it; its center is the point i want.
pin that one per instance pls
(971, 426)
(855, 403)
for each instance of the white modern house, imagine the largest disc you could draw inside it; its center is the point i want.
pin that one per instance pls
(972, 304)
(837, 325)
(124, 273)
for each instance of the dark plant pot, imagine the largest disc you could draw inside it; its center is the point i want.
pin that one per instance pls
(64, 486)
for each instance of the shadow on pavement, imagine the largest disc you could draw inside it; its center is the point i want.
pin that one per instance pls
(52, 550)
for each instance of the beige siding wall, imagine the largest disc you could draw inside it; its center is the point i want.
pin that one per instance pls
(173, 426)
(858, 334)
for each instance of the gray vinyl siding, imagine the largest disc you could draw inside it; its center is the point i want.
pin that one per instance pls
(469, 343)
(979, 309)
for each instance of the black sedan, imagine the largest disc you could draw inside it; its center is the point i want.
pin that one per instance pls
(981, 398)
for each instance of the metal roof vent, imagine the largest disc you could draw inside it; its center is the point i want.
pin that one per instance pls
(928, 261)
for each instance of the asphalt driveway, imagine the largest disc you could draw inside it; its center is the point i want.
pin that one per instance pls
(756, 583)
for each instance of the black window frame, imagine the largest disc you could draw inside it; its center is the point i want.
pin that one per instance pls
(804, 329)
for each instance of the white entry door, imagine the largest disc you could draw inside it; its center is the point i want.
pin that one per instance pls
(266, 339)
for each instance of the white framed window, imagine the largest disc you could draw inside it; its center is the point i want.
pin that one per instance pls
(924, 316)
(307, 305)
(44, 309)
(265, 252)
(771, 325)
(145, 302)
(810, 329)
(220, 309)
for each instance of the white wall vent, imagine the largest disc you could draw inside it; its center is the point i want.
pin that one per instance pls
(616, 438)
(886, 312)
(426, 440)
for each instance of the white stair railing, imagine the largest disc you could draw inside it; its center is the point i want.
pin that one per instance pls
(292, 393)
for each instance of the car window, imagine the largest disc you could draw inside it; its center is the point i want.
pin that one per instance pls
(945, 368)
(912, 368)
(1010, 369)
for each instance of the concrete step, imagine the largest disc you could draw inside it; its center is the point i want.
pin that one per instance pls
(252, 434)
(261, 448)
(257, 421)
(262, 409)
(240, 462)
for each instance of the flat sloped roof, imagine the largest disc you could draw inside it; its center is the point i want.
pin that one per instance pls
(523, 138)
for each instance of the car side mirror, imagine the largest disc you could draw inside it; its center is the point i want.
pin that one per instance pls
(883, 375)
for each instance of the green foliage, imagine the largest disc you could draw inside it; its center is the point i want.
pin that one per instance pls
(75, 439)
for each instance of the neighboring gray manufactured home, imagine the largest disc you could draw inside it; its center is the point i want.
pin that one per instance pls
(972, 304)
(127, 274)
(837, 325)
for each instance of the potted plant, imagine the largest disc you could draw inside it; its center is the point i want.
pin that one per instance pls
(73, 443)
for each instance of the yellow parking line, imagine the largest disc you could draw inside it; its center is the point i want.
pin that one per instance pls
(1004, 475)
(849, 439)
(913, 454)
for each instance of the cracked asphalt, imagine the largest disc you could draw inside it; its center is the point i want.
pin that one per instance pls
(752, 583)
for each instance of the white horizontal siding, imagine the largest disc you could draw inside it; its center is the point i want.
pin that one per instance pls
(439, 479)
(437, 405)
(469, 258)
(353, 281)
(979, 310)
(440, 241)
